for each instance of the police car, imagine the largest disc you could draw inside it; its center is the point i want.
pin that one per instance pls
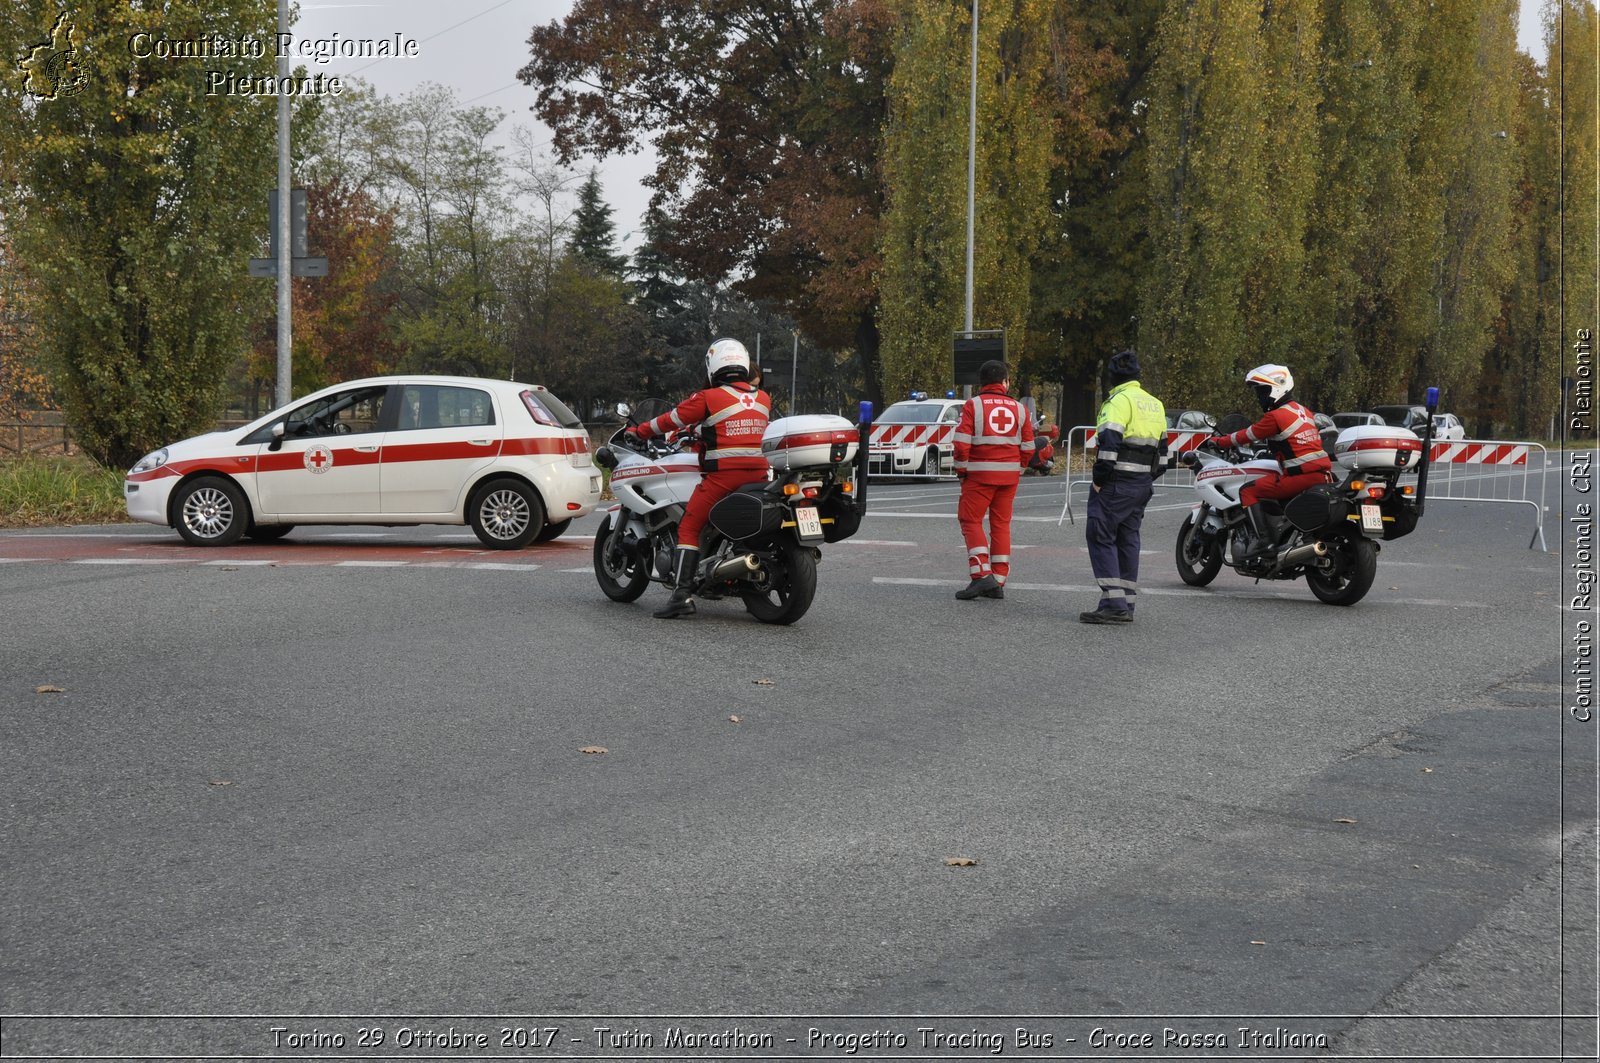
(509, 459)
(915, 438)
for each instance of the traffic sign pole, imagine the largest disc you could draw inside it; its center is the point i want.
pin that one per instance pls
(285, 250)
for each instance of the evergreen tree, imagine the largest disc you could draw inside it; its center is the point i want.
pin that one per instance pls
(593, 233)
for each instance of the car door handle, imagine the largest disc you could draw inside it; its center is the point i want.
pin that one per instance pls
(481, 442)
(368, 450)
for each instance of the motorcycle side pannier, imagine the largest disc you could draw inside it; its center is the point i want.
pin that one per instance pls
(746, 513)
(1318, 509)
(1399, 515)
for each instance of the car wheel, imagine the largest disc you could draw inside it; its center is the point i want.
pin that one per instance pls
(930, 463)
(506, 514)
(210, 511)
(267, 533)
(552, 530)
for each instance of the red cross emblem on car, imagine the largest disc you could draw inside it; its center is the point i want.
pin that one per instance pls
(319, 459)
(1002, 420)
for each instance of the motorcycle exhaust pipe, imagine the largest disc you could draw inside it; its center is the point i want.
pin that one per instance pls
(1302, 554)
(734, 568)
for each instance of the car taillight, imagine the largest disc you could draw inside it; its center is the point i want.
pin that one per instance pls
(536, 408)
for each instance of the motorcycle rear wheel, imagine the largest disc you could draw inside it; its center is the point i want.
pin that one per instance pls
(1352, 579)
(623, 584)
(790, 588)
(1198, 562)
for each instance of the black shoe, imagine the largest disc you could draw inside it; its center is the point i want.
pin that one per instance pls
(1107, 616)
(998, 592)
(678, 606)
(978, 586)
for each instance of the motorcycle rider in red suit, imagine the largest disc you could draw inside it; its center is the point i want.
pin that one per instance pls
(732, 414)
(1292, 435)
(993, 442)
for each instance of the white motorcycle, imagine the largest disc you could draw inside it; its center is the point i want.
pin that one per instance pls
(762, 541)
(1328, 533)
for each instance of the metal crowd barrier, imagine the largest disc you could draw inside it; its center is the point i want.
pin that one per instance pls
(889, 440)
(1462, 470)
(1080, 440)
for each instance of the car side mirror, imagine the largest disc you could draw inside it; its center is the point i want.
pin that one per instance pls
(278, 431)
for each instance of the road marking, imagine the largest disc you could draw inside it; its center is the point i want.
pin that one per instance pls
(1174, 592)
(14, 560)
(255, 562)
(370, 564)
(131, 561)
(877, 542)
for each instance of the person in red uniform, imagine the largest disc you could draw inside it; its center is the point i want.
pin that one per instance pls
(732, 414)
(994, 440)
(1292, 435)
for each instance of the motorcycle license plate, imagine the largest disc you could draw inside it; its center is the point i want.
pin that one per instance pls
(807, 522)
(1371, 518)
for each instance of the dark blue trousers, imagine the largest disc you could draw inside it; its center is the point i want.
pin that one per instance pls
(1116, 512)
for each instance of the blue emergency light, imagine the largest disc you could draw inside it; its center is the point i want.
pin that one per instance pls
(950, 394)
(918, 396)
(866, 410)
(1431, 400)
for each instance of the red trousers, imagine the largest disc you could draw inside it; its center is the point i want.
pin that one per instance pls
(989, 556)
(1280, 486)
(712, 487)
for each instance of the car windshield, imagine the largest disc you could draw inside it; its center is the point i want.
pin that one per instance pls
(1351, 420)
(912, 413)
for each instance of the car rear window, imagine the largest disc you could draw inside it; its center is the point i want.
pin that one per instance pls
(443, 406)
(912, 413)
(549, 410)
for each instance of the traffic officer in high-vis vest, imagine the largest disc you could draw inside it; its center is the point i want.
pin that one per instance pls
(993, 442)
(1131, 442)
(732, 414)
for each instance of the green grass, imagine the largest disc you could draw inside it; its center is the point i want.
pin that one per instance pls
(38, 490)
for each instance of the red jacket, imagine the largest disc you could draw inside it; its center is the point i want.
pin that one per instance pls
(731, 418)
(1292, 435)
(994, 438)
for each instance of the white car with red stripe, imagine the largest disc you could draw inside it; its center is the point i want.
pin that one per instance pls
(509, 459)
(917, 437)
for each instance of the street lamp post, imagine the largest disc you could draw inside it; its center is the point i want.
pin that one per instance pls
(972, 157)
(285, 252)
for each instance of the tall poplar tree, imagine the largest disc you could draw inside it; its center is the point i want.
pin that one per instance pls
(925, 175)
(137, 200)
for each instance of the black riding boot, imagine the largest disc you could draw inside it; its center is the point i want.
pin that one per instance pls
(1259, 541)
(684, 561)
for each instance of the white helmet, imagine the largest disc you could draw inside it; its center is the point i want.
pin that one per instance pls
(726, 354)
(1271, 383)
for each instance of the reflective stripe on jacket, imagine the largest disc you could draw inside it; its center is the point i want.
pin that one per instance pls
(1131, 436)
(731, 418)
(994, 438)
(1293, 436)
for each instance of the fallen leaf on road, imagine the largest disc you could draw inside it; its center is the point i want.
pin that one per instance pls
(762, 682)
(594, 749)
(1258, 942)
(1344, 821)
(736, 719)
(1427, 771)
(960, 861)
(48, 690)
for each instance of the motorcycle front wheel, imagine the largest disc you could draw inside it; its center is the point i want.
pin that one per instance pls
(621, 582)
(1198, 561)
(1350, 578)
(791, 584)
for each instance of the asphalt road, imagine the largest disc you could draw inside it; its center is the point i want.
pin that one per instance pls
(342, 776)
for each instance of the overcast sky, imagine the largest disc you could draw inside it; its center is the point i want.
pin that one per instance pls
(477, 46)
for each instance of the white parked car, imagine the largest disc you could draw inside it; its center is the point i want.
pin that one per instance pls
(916, 437)
(1448, 426)
(509, 459)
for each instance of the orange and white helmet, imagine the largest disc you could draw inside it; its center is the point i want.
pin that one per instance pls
(724, 355)
(1271, 383)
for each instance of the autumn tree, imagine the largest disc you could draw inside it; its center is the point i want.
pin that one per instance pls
(925, 174)
(765, 116)
(134, 208)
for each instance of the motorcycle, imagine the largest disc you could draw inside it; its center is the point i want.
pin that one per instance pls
(1329, 533)
(762, 541)
(1042, 463)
